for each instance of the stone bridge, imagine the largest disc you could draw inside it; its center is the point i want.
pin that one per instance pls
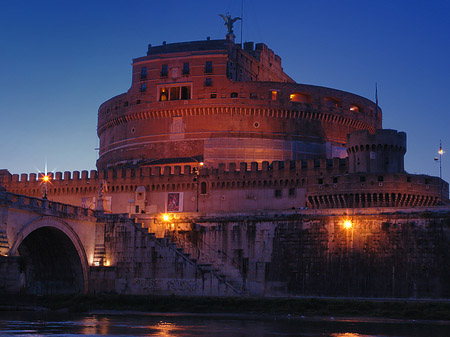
(53, 244)
(52, 248)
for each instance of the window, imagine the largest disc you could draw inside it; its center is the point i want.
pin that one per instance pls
(213, 96)
(362, 179)
(138, 101)
(208, 67)
(278, 194)
(234, 95)
(335, 180)
(186, 92)
(125, 104)
(253, 95)
(203, 188)
(332, 102)
(380, 178)
(143, 87)
(186, 68)
(274, 95)
(164, 70)
(137, 209)
(320, 181)
(408, 179)
(174, 93)
(292, 192)
(208, 82)
(355, 108)
(143, 73)
(300, 98)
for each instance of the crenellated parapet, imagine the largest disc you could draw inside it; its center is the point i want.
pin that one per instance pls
(362, 190)
(381, 151)
(327, 183)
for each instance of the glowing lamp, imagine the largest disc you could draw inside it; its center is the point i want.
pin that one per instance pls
(46, 178)
(348, 224)
(441, 152)
(166, 217)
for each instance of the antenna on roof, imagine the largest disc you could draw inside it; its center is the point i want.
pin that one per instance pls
(242, 19)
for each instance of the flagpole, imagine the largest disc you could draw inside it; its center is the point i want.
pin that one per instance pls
(376, 105)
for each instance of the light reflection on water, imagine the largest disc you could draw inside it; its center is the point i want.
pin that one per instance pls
(178, 325)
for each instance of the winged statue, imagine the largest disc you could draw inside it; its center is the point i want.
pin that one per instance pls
(229, 21)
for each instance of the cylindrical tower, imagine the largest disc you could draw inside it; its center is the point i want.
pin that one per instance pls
(382, 152)
(215, 102)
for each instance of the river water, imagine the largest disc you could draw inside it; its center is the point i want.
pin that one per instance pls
(186, 325)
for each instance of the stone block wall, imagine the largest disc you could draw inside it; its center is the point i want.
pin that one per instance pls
(398, 255)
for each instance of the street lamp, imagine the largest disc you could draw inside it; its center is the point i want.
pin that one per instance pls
(440, 152)
(45, 180)
(196, 178)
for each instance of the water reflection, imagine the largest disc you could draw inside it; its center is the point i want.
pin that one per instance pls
(179, 325)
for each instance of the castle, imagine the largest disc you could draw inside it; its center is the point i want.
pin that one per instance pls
(210, 126)
(214, 130)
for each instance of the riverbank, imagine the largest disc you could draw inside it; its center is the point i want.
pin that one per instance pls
(292, 307)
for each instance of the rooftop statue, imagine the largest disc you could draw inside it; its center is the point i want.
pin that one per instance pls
(229, 22)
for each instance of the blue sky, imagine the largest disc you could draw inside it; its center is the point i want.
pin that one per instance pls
(59, 60)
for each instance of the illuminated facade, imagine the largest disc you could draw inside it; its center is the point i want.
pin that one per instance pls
(267, 143)
(234, 180)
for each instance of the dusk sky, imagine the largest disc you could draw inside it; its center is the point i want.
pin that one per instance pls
(59, 60)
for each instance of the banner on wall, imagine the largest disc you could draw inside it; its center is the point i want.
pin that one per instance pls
(175, 202)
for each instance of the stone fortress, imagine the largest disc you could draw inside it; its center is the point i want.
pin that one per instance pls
(248, 176)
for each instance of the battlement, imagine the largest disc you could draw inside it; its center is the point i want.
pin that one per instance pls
(307, 167)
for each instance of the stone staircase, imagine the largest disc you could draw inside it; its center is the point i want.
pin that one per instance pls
(204, 268)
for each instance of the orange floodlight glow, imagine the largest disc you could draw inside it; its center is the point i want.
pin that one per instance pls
(348, 224)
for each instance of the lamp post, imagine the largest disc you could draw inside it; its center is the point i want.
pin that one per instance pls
(196, 179)
(45, 180)
(440, 152)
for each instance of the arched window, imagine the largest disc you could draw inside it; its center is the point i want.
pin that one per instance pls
(332, 102)
(203, 187)
(300, 98)
(355, 108)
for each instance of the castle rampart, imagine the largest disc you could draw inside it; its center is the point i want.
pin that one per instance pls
(317, 183)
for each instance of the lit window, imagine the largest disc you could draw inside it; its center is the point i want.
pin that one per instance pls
(354, 107)
(208, 67)
(174, 93)
(163, 94)
(300, 98)
(274, 95)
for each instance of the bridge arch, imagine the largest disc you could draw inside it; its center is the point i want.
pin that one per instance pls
(54, 260)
